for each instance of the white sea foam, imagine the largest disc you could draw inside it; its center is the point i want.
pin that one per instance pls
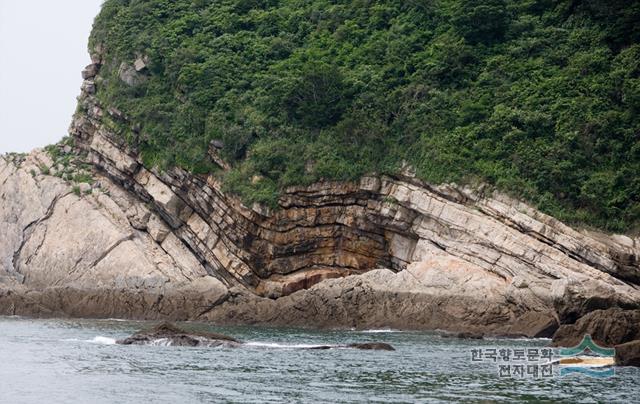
(161, 342)
(380, 331)
(282, 346)
(102, 340)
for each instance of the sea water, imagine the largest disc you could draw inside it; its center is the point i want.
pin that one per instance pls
(78, 361)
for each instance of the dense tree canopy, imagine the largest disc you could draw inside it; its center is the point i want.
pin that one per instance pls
(540, 98)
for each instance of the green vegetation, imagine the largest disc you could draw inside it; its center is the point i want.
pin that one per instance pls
(44, 170)
(15, 158)
(539, 98)
(67, 164)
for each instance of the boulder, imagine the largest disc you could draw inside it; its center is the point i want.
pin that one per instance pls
(607, 328)
(90, 71)
(140, 64)
(129, 75)
(628, 354)
(217, 144)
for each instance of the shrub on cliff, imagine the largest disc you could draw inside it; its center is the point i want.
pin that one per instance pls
(539, 98)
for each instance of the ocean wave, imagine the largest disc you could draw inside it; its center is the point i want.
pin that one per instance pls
(379, 331)
(284, 346)
(102, 340)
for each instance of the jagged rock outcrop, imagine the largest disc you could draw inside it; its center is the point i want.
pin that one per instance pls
(173, 245)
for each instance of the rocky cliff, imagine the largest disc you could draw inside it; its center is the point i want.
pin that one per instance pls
(146, 243)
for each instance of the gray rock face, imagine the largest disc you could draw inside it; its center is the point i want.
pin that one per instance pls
(609, 327)
(64, 254)
(628, 354)
(153, 244)
(90, 71)
(130, 75)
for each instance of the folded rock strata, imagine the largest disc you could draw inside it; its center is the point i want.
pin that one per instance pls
(168, 244)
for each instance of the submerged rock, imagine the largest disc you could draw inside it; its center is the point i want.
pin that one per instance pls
(375, 346)
(365, 346)
(170, 334)
(469, 335)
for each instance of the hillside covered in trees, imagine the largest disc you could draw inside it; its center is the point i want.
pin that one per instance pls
(539, 98)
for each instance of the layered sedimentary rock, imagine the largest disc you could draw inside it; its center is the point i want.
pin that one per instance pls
(382, 252)
(68, 253)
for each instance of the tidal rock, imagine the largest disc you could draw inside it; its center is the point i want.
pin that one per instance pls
(365, 346)
(628, 354)
(171, 335)
(606, 327)
(375, 346)
(469, 335)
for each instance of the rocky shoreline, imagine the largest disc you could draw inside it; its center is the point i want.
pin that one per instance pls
(171, 335)
(122, 271)
(134, 242)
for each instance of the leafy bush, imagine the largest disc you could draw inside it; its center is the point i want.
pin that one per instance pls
(539, 98)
